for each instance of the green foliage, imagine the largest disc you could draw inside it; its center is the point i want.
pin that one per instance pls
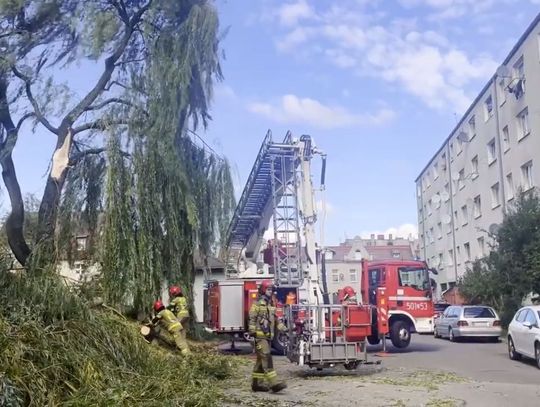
(60, 352)
(512, 270)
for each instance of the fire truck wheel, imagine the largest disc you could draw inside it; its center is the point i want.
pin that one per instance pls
(351, 365)
(374, 339)
(279, 342)
(400, 334)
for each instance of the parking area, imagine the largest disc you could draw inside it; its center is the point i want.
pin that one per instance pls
(431, 372)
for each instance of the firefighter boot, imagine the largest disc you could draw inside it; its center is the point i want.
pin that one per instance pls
(257, 386)
(278, 387)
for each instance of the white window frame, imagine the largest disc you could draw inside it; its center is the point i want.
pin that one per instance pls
(510, 190)
(505, 139)
(464, 215)
(353, 275)
(472, 127)
(519, 73)
(491, 151)
(488, 114)
(501, 91)
(481, 246)
(335, 275)
(467, 247)
(495, 196)
(435, 170)
(477, 206)
(439, 230)
(461, 180)
(450, 257)
(527, 180)
(523, 127)
(474, 167)
(458, 255)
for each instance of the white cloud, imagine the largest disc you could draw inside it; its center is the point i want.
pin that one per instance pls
(404, 231)
(293, 109)
(422, 62)
(291, 13)
(222, 91)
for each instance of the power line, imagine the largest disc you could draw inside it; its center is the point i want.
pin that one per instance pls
(206, 145)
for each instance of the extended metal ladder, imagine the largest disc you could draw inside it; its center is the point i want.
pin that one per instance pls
(270, 191)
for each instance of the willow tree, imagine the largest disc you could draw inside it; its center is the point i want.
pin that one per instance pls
(123, 150)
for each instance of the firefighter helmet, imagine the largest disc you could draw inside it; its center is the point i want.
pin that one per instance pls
(265, 285)
(348, 293)
(158, 306)
(175, 290)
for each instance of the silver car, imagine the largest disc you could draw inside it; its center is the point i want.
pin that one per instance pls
(460, 321)
(524, 334)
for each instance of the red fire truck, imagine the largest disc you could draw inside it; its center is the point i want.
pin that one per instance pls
(395, 296)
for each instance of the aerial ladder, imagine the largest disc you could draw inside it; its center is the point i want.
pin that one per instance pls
(279, 189)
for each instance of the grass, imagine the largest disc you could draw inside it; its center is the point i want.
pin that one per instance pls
(56, 350)
(429, 380)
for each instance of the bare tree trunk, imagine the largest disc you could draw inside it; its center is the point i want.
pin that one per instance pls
(15, 220)
(48, 209)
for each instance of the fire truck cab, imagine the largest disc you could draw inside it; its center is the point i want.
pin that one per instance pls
(409, 298)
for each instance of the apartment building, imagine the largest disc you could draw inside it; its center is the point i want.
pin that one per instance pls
(494, 150)
(344, 262)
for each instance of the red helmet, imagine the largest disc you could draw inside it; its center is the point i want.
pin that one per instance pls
(158, 306)
(348, 292)
(174, 290)
(265, 285)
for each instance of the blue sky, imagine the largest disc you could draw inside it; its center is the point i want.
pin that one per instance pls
(378, 84)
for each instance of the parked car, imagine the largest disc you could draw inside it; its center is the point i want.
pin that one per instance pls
(524, 334)
(459, 321)
(439, 308)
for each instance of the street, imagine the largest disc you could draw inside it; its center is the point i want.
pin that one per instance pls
(431, 372)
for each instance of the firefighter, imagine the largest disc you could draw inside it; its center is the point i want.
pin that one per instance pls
(262, 320)
(178, 305)
(167, 320)
(349, 296)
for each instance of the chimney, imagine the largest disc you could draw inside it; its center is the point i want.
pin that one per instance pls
(380, 237)
(390, 236)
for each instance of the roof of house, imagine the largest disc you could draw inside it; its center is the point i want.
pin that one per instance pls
(388, 252)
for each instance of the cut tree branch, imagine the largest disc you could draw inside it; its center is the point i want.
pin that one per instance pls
(37, 110)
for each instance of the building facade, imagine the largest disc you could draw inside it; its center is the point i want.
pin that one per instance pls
(344, 262)
(491, 154)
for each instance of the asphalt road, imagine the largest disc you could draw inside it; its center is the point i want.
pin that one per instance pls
(430, 372)
(474, 359)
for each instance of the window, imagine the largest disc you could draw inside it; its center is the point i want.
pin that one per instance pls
(521, 315)
(465, 214)
(335, 275)
(523, 124)
(447, 191)
(501, 91)
(478, 312)
(443, 162)
(418, 191)
(467, 248)
(481, 246)
(477, 209)
(495, 199)
(431, 235)
(458, 255)
(472, 127)
(452, 150)
(509, 187)
(456, 220)
(505, 139)
(530, 318)
(459, 146)
(358, 255)
(444, 287)
(428, 179)
(439, 230)
(527, 176)
(328, 255)
(341, 277)
(415, 277)
(518, 84)
(430, 210)
(450, 257)
(441, 261)
(461, 180)
(396, 255)
(474, 167)
(491, 151)
(353, 275)
(435, 171)
(488, 108)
